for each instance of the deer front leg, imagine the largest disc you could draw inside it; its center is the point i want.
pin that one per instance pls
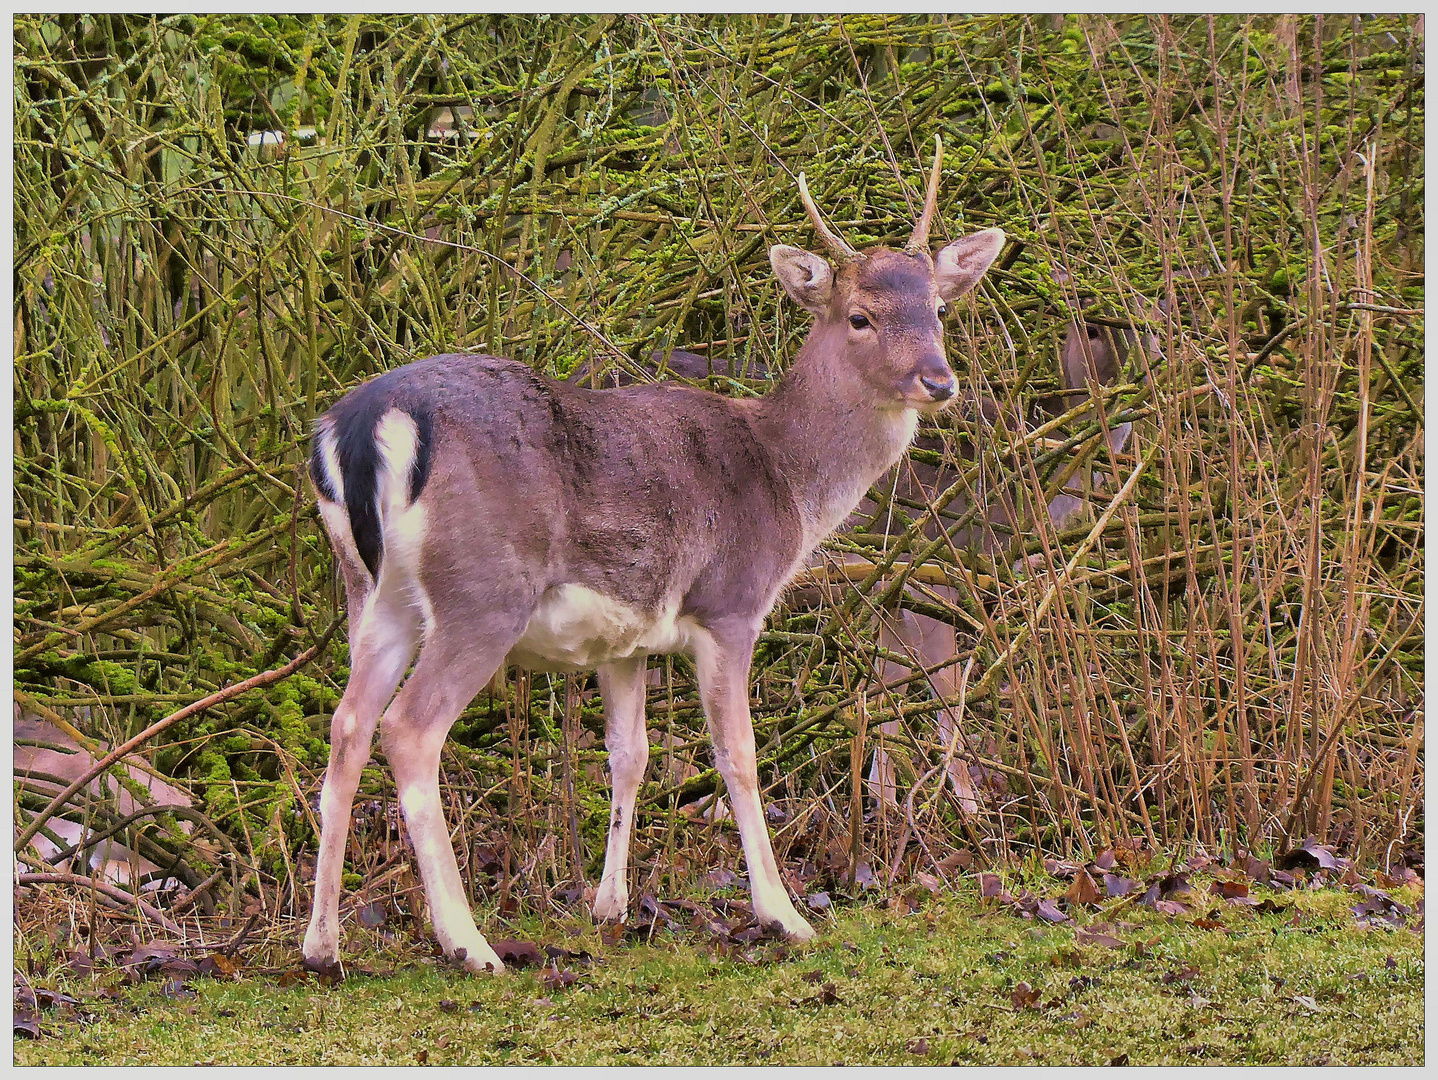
(723, 663)
(621, 684)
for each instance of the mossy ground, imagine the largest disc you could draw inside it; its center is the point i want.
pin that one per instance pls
(1264, 989)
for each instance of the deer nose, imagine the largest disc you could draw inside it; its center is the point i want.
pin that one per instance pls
(939, 389)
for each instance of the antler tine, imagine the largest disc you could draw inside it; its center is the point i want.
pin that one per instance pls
(920, 240)
(832, 240)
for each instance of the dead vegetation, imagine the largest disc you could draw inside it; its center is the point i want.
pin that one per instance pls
(223, 222)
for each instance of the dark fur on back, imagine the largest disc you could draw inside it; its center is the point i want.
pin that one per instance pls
(354, 419)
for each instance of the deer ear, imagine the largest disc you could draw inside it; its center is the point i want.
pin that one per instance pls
(806, 277)
(959, 266)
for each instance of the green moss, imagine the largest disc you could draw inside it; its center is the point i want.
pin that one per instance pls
(872, 986)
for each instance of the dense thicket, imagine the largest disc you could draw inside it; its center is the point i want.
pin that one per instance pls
(223, 222)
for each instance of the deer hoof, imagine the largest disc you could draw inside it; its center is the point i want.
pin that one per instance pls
(609, 907)
(479, 961)
(799, 934)
(324, 967)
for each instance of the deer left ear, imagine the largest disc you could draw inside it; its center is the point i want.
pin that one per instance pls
(959, 266)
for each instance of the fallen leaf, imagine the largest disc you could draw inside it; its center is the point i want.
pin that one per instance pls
(929, 882)
(812, 976)
(991, 885)
(373, 914)
(829, 994)
(864, 876)
(488, 860)
(919, 1046)
(721, 877)
(959, 860)
(1095, 936)
(1084, 889)
(520, 954)
(1049, 911)
(1401, 875)
(1171, 908)
(46, 998)
(218, 964)
(447, 1006)
(554, 979)
(1310, 854)
(818, 901)
(1257, 869)
(1174, 885)
(1229, 889)
(1184, 974)
(1306, 1001)
(1113, 885)
(1024, 996)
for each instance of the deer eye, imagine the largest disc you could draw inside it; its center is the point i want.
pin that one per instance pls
(943, 311)
(858, 322)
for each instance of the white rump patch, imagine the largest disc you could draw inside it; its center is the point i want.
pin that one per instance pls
(576, 627)
(397, 440)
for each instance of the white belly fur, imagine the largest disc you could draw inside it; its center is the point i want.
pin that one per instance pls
(575, 627)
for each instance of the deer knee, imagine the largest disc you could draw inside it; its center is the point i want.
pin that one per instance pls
(627, 765)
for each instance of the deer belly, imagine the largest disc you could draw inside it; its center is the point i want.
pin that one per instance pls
(575, 627)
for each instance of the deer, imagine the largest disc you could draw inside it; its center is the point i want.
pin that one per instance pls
(483, 514)
(1091, 355)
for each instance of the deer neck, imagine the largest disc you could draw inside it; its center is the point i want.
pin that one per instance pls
(830, 437)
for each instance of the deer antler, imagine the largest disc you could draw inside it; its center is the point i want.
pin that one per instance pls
(832, 240)
(920, 240)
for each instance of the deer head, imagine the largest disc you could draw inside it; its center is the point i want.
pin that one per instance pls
(880, 311)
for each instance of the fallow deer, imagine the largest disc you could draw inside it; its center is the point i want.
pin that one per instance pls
(482, 514)
(1091, 355)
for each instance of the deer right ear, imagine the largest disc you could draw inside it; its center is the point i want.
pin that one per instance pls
(806, 277)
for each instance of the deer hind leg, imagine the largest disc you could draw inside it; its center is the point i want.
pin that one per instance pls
(930, 643)
(383, 637)
(723, 668)
(453, 665)
(622, 685)
(897, 636)
(938, 643)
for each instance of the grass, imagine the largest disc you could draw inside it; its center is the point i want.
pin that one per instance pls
(1299, 986)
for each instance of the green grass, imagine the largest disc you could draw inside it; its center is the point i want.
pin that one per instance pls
(1265, 991)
